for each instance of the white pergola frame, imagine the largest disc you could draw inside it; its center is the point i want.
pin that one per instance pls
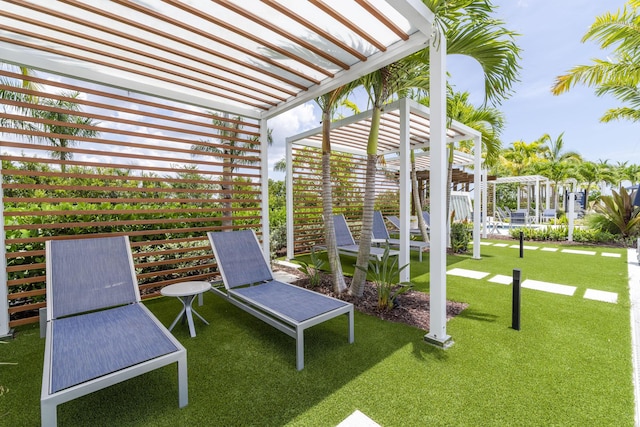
(535, 180)
(412, 128)
(161, 49)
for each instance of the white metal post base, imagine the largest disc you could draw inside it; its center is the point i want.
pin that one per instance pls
(442, 343)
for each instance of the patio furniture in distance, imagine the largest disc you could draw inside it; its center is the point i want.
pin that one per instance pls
(186, 293)
(381, 234)
(395, 221)
(548, 215)
(347, 245)
(98, 332)
(249, 284)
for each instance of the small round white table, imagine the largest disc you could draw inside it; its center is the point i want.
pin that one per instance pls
(186, 293)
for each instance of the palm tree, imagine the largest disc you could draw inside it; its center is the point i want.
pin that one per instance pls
(522, 157)
(233, 155)
(557, 163)
(17, 96)
(591, 173)
(62, 126)
(488, 121)
(328, 102)
(618, 75)
(470, 30)
(380, 86)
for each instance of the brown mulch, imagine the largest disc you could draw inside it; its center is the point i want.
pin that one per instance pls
(412, 306)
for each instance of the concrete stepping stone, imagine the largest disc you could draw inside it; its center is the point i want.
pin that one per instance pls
(469, 274)
(611, 255)
(501, 279)
(579, 252)
(501, 245)
(549, 249)
(549, 287)
(611, 297)
(486, 243)
(531, 248)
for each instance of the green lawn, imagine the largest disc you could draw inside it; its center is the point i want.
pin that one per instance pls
(569, 365)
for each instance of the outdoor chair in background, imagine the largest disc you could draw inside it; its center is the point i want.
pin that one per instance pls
(395, 221)
(98, 332)
(519, 217)
(548, 215)
(346, 243)
(249, 285)
(381, 235)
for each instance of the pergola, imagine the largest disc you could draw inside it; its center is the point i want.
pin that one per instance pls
(405, 125)
(251, 58)
(529, 180)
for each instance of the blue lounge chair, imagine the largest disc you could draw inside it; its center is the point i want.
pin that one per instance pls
(98, 333)
(381, 234)
(347, 245)
(395, 221)
(249, 284)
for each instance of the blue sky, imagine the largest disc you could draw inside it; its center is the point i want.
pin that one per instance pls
(551, 31)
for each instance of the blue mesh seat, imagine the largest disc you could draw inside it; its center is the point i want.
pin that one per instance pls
(347, 245)
(98, 333)
(249, 284)
(381, 234)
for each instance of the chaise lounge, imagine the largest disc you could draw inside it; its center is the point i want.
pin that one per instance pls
(98, 332)
(381, 234)
(249, 284)
(347, 245)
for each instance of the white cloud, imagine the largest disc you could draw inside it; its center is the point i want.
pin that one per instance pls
(288, 124)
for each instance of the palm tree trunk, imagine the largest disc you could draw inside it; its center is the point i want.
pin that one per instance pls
(360, 275)
(335, 266)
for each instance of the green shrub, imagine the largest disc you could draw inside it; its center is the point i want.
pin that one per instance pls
(460, 236)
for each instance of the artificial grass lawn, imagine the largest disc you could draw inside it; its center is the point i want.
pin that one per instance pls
(569, 365)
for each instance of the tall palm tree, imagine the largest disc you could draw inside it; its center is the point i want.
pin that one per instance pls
(470, 30)
(380, 86)
(557, 162)
(233, 155)
(619, 74)
(62, 126)
(13, 95)
(328, 103)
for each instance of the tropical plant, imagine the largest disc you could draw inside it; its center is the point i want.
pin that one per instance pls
(312, 270)
(384, 274)
(460, 236)
(618, 75)
(557, 162)
(616, 214)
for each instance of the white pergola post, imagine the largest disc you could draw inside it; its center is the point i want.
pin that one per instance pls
(4, 292)
(485, 188)
(437, 334)
(537, 200)
(547, 195)
(264, 175)
(477, 183)
(518, 196)
(289, 198)
(405, 192)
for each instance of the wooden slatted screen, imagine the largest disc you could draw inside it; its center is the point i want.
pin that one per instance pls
(81, 159)
(348, 175)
